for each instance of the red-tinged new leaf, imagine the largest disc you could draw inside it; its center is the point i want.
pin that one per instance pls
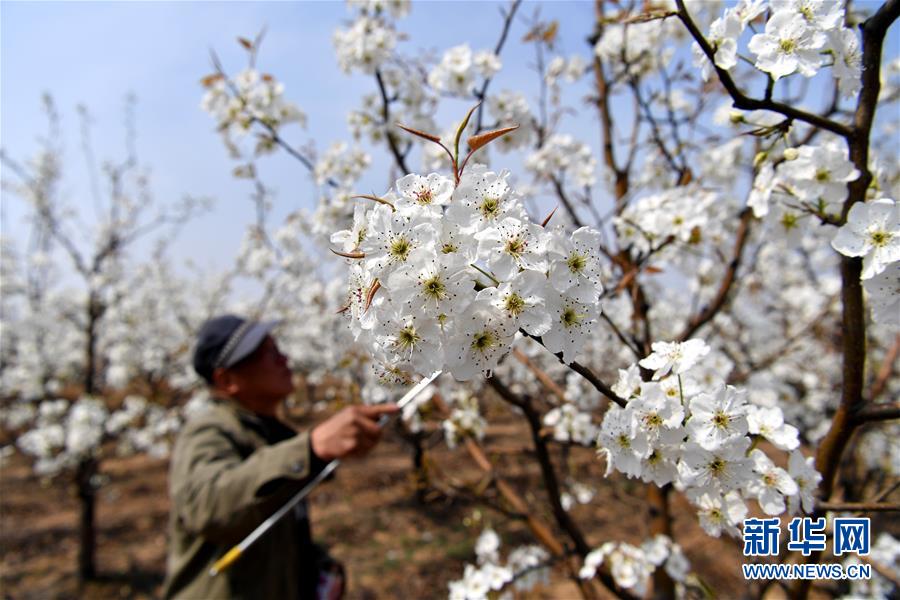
(462, 127)
(482, 139)
(549, 34)
(550, 216)
(354, 255)
(376, 285)
(375, 199)
(626, 280)
(421, 134)
(211, 79)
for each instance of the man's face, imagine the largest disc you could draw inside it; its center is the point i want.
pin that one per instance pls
(262, 376)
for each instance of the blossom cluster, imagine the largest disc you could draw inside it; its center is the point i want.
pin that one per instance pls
(885, 555)
(508, 106)
(813, 179)
(249, 97)
(465, 419)
(689, 214)
(337, 171)
(695, 432)
(635, 49)
(365, 45)
(800, 36)
(65, 433)
(564, 155)
(632, 566)
(414, 105)
(872, 232)
(444, 276)
(524, 568)
(460, 67)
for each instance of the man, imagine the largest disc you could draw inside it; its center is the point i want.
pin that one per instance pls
(237, 463)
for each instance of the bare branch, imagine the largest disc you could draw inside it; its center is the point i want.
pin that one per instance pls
(877, 412)
(399, 157)
(718, 302)
(887, 368)
(482, 93)
(858, 506)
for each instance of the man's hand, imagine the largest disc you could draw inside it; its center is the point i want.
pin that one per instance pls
(351, 432)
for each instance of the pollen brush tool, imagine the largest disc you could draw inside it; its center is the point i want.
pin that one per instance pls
(235, 553)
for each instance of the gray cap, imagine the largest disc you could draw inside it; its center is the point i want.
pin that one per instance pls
(226, 340)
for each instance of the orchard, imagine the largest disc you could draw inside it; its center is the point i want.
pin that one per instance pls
(694, 303)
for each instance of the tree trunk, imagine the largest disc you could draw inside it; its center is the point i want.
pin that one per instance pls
(88, 467)
(661, 523)
(87, 534)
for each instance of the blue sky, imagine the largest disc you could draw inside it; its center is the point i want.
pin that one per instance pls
(96, 53)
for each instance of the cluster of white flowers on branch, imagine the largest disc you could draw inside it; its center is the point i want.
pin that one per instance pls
(66, 433)
(872, 232)
(700, 435)
(444, 275)
(247, 98)
(632, 566)
(525, 567)
(800, 36)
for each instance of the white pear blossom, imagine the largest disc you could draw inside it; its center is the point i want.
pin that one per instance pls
(769, 423)
(432, 191)
(819, 174)
(365, 45)
(771, 485)
(512, 245)
(629, 382)
(884, 295)
(575, 268)
(803, 472)
(847, 61)
(718, 513)
(789, 44)
(872, 231)
(487, 546)
(722, 470)
(521, 300)
(674, 357)
(572, 323)
(465, 419)
(718, 419)
(623, 444)
(570, 424)
(562, 154)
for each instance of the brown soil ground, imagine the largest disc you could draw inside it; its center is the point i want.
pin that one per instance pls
(393, 545)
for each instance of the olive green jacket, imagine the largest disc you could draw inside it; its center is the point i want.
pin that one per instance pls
(230, 470)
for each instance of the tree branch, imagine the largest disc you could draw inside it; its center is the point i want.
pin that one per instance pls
(745, 102)
(551, 483)
(858, 506)
(876, 412)
(482, 93)
(718, 302)
(386, 115)
(887, 367)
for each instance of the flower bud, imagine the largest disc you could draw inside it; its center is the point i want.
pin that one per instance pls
(791, 153)
(760, 158)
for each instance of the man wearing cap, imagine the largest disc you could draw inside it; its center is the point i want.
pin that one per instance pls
(237, 463)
